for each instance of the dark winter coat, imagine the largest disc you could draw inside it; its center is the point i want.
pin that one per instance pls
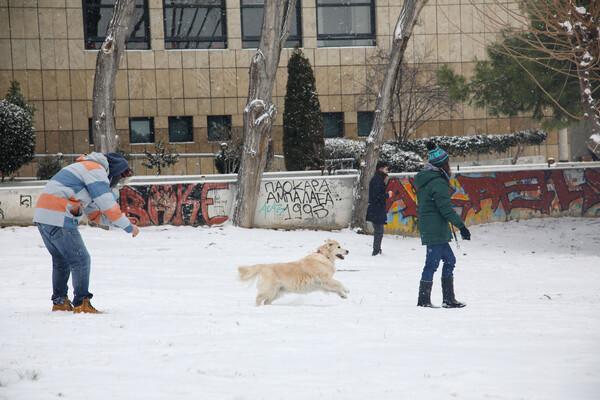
(376, 210)
(434, 208)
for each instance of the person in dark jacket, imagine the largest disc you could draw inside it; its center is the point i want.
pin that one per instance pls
(376, 210)
(435, 214)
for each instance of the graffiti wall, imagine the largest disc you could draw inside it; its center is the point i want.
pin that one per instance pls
(18, 204)
(296, 203)
(502, 196)
(326, 202)
(322, 203)
(177, 204)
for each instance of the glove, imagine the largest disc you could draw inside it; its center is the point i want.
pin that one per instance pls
(464, 233)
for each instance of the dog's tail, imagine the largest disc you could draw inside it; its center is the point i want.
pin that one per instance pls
(248, 273)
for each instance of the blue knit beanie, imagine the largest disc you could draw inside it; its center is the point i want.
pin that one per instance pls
(116, 164)
(436, 155)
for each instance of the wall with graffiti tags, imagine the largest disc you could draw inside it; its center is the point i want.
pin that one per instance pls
(501, 196)
(318, 203)
(177, 204)
(325, 202)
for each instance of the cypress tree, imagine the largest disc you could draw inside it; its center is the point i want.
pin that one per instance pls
(303, 135)
(15, 97)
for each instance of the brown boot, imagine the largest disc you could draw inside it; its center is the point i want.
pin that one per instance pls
(66, 306)
(86, 307)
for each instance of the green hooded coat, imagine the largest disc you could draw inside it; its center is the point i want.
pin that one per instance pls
(434, 208)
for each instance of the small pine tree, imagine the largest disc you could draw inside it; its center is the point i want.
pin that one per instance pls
(17, 138)
(161, 158)
(303, 134)
(15, 97)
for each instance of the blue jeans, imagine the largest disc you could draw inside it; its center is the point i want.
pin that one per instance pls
(69, 257)
(436, 253)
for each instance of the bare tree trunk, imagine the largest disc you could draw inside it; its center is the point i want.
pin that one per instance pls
(406, 21)
(107, 66)
(260, 111)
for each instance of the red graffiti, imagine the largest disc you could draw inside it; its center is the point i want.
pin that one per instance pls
(591, 191)
(206, 201)
(132, 204)
(172, 204)
(182, 198)
(507, 191)
(399, 193)
(162, 203)
(564, 195)
(477, 189)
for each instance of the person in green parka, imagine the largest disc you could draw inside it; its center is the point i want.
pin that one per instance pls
(435, 214)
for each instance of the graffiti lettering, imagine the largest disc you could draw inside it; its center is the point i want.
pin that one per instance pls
(297, 199)
(179, 204)
(276, 209)
(25, 200)
(497, 196)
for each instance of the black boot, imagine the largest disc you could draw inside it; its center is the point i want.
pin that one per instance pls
(448, 293)
(425, 295)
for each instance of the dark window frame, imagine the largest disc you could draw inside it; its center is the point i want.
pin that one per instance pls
(228, 124)
(348, 37)
(151, 126)
(341, 123)
(190, 124)
(178, 43)
(248, 40)
(132, 43)
(358, 117)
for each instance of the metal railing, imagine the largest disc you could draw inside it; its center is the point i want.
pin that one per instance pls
(137, 159)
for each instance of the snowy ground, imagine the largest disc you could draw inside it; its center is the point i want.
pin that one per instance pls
(180, 326)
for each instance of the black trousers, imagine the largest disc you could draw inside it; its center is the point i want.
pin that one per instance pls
(377, 237)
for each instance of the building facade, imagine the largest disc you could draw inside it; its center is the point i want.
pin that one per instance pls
(183, 79)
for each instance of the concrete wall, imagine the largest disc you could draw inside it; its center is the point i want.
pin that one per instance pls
(311, 201)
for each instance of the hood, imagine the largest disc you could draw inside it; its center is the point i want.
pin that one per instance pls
(96, 157)
(426, 176)
(117, 164)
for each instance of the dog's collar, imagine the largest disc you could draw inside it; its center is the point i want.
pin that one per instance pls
(319, 252)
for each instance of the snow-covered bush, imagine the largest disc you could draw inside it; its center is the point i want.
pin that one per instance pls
(49, 166)
(17, 138)
(477, 144)
(398, 160)
(405, 158)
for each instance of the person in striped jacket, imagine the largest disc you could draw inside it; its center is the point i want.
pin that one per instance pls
(82, 188)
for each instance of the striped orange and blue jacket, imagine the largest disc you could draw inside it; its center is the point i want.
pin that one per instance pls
(78, 189)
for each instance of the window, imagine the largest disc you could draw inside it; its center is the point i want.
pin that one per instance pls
(365, 122)
(180, 129)
(333, 124)
(97, 15)
(141, 130)
(345, 23)
(252, 15)
(198, 24)
(219, 128)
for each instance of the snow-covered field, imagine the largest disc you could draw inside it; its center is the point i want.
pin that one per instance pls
(178, 324)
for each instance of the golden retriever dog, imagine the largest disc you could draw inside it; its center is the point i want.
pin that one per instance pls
(308, 274)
